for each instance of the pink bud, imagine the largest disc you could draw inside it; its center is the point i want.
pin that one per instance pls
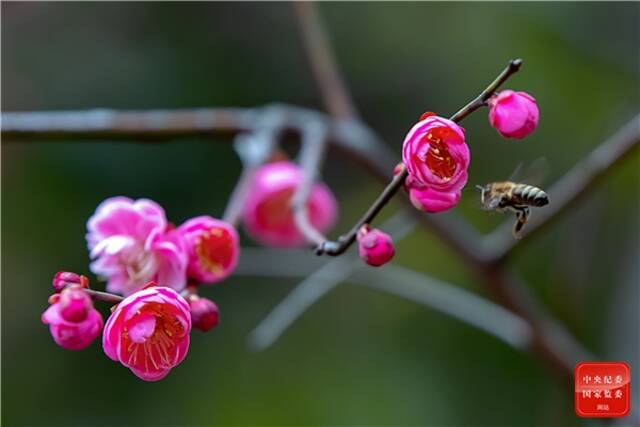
(62, 279)
(375, 247)
(74, 304)
(204, 313)
(268, 217)
(72, 320)
(513, 114)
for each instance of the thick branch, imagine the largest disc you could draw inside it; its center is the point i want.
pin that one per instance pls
(569, 189)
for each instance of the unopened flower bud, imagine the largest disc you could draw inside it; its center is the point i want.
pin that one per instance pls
(62, 279)
(513, 114)
(72, 320)
(204, 313)
(375, 247)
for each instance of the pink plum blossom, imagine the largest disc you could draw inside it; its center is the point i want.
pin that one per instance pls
(213, 247)
(148, 332)
(204, 313)
(374, 246)
(436, 155)
(431, 200)
(513, 114)
(267, 214)
(130, 246)
(72, 320)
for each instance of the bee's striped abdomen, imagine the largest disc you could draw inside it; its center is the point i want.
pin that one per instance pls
(530, 195)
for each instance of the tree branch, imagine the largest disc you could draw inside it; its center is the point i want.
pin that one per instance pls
(323, 63)
(103, 296)
(316, 285)
(311, 157)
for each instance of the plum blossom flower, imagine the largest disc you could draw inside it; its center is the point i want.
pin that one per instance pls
(267, 214)
(213, 247)
(130, 246)
(204, 313)
(436, 155)
(73, 321)
(374, 246)
(148, 332)
(513, 114)
(430, 200)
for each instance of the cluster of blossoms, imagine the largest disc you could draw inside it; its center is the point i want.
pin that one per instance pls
(133, 247)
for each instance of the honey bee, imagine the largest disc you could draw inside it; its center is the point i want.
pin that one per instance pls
(513, 197)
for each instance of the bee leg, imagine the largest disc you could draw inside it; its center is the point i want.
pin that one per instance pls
(522, 213)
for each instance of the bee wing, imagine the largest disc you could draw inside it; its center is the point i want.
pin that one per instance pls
(534, 174)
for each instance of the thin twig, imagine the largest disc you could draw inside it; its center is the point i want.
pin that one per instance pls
(338, 247)
(316, 285)
(481, 100)
(337, 101)
(103, 296)
(311, 157)
(254, 150)
(323, 63)
(569, 189)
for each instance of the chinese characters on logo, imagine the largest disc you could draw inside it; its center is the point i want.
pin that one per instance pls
(602, 389)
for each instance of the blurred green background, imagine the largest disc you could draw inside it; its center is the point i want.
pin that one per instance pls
(357, 357)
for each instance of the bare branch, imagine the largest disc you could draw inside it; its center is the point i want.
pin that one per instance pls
(254, 150)
(323, 63)
(319, 283)
(570, 188)
(311, 157)
(481, 100)
(156, 125)
(452, 301)
(103, 296)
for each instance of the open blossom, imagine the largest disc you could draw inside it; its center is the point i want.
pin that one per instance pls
(130, 246)
(431, 200)
(436, 155)
(72, 320)
(267, 215)
(213, 247)
(148, 332)
(513, 114)
(375, 247)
